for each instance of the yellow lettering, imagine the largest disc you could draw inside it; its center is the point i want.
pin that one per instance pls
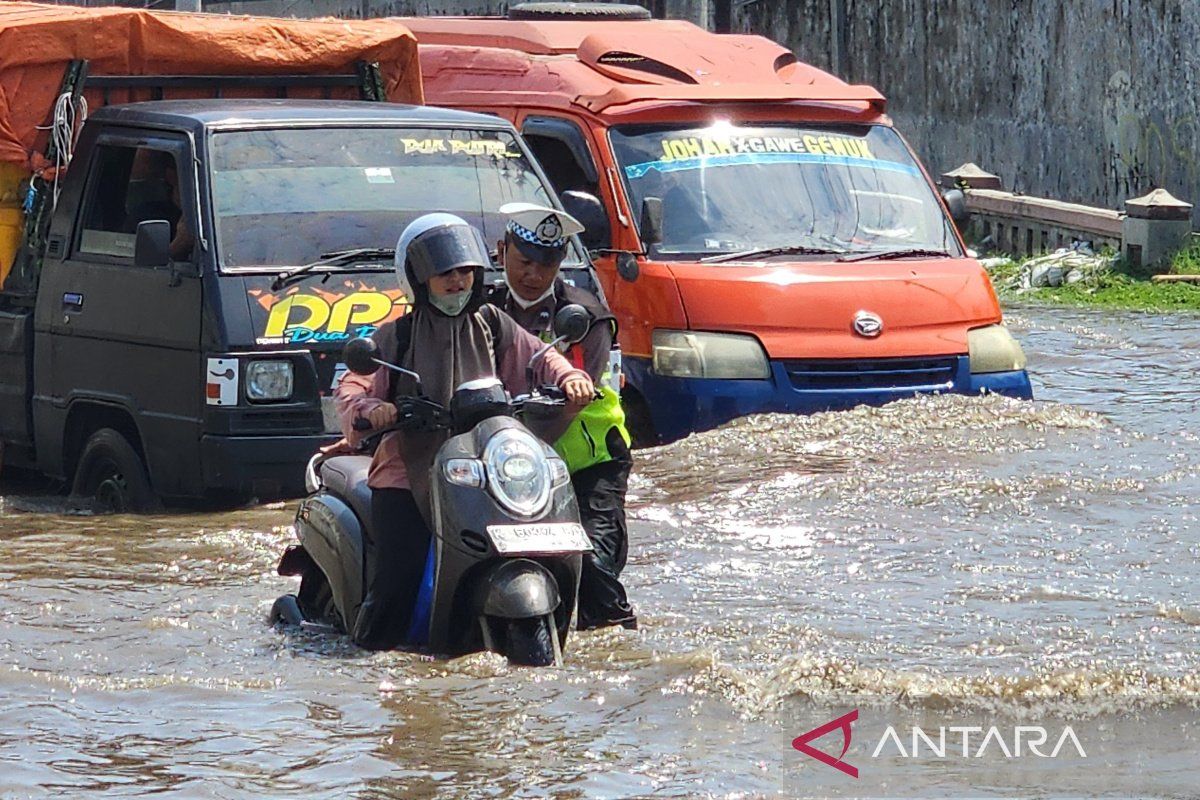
(666, 154)
(841, 146)
(864, 150)
(360, 308)
(826, 146)
(812, 145)
(679, 149)
(279, 320)
(711, 148)
(693, 147)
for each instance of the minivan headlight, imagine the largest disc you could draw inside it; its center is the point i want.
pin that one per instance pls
(993, 349)
(689, 354)
(269, 380)
(518, 473)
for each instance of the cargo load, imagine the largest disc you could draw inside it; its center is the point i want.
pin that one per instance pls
(59, 62)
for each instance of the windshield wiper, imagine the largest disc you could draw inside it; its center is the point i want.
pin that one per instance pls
(884, 255)
(337, 258)
(791, 249)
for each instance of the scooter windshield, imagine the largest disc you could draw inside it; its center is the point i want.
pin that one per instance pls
(282, 197)
(731, 189)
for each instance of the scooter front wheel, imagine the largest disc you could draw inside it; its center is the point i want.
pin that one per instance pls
(530, 642)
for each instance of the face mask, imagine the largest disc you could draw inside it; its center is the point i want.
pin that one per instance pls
(521, 301)
(450, 304)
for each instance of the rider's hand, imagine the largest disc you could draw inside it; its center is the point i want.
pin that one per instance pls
(579, 390)
(381, 416)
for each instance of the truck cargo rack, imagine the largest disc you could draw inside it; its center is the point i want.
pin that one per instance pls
(20, 288)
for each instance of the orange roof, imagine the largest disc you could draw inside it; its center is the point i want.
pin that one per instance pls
(611, 65)
(38, 41)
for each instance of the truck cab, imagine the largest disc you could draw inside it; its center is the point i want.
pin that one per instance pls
(766, 238)
(174, 349)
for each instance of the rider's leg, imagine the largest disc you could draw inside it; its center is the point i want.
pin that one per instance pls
(398, 543)
(600, 490)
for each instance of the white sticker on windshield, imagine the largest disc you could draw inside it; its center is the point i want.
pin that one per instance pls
(379, 175)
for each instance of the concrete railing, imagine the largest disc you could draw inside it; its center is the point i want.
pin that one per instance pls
(1151, 228)
(1032, 225)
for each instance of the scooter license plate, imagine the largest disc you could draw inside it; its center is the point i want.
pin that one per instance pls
(329, 415)
(547, 537)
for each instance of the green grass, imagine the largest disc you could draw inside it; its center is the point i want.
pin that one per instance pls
(1120, 287)
(1117, 290)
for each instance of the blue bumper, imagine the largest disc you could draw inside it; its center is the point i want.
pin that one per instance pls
(680, 406)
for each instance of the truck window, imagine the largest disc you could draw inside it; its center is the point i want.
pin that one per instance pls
(729, 188)
(129, 185)
(561, 149)
(282, 197)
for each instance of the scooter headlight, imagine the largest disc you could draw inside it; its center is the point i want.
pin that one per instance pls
(518, 473)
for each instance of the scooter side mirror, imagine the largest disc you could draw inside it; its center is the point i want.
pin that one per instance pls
(572, 323)
(361, 356)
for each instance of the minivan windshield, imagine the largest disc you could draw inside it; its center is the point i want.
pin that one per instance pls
(733, 189)
(283, 197)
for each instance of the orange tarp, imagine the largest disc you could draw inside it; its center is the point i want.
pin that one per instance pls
(37, 42)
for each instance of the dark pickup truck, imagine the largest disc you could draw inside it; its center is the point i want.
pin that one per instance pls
(158, 338)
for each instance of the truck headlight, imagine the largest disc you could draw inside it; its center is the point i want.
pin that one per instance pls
(518, 472)
(993, 349)
(269, 380)
(687, 354)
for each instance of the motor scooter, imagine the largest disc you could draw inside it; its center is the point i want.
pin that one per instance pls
(502, 573)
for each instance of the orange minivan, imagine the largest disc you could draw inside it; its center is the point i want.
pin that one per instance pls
(766, 238)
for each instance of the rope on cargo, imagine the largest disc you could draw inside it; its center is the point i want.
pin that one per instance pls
(68, 118)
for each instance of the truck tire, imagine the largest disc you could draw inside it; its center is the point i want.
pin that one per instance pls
(577, 11)
(638, 421)
(528, 642)
(111, 477)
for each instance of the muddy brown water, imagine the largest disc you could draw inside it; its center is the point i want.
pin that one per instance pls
(942, 562)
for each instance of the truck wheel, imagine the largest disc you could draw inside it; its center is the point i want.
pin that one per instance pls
(528, 642)
(638, 421)
(111, 476)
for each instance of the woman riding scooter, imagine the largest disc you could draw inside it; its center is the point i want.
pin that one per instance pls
(450, 337)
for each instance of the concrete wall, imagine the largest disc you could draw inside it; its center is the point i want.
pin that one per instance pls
(1089, 101)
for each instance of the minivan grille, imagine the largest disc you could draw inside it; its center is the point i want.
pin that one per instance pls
(875, 373)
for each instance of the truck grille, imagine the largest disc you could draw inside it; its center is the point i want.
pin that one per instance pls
(874, 373)
(294, 421)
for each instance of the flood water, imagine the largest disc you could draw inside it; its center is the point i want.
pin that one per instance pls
(941, 562)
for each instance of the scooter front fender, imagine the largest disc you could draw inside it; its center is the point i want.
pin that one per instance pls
(517, 589)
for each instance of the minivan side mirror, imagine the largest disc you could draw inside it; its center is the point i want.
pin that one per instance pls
(651, 227)
(152, 245)
(588, 209)
(956, 204)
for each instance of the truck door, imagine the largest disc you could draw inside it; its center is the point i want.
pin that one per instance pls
(125, 341)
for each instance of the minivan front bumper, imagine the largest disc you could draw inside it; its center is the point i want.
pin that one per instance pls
(265, 466)
(680, 406)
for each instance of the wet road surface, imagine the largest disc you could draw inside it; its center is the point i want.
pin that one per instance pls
(937, 562)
